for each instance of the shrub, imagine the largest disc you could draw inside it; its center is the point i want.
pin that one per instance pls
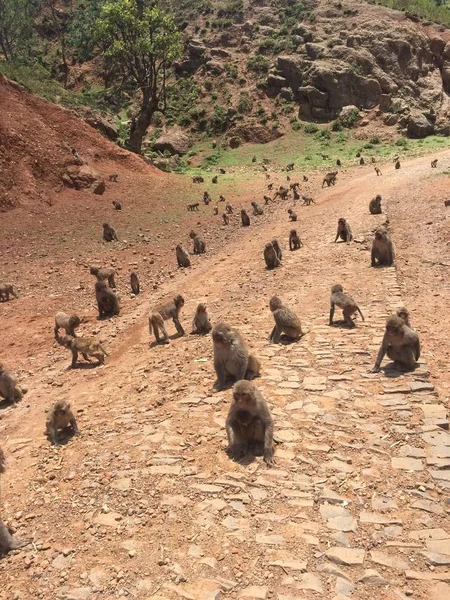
(323, 134)
(245, 104)
(401, 142)
(336, 125)
(350, 119)
(258, 64)
(219, 120)
(296, 125)
(367, 146)
(375, 140)
(208, 84)
(311, 128)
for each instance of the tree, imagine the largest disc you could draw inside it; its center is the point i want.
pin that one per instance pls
(142, 41)
(57, 20)
(16, 27)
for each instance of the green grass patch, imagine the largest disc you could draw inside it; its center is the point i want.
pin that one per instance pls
(427, 10)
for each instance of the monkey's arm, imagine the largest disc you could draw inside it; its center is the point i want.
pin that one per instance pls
(382, 351)
(272, 334)
(221, 376)
(331, 313)
(178, 325)
(276, 333)
(74, 357)
(290, 244)
(417, 349)
(372, 257)
(268, 442)
(337, 236)
(73, 423)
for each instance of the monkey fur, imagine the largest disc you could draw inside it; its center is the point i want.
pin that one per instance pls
(86, 346)
(201, 323)
(295, 243)
(183, 259)
(382, 253)
(344, 231)
(163, 312)
(109, 233)
(286, 322)
(105, 274)
(344, 301)
(199, 243)
(7, 289)
(60, 417)
(107, 301)
(400, 343)
(66, 322)
(375, 205)
(245, 218)
(134, 282)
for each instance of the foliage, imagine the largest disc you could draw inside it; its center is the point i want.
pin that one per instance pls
(245, 104)
(81, 29)
(219, 121)
(350, 119)
(258, 64)
(430, 10)
(17, 35)
(311, 128)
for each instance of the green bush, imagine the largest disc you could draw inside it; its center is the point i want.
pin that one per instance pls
(258, 64)
(375, 140)
(311, 128)
(367, 146)
(401, 142)
(323, 134)
(336, 125)
(218, 122)
(350, 119)
(208, 84)
(296, 125)
(245, 104)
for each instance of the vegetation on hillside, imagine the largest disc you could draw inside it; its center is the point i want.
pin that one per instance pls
(437, 11)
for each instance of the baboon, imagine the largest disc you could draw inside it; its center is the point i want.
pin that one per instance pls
(375, 205)
(249, 424)
(358, 154)
(7, 289)
(163, 312)
(307, 200)
(277, 247)
(75, 152)
(221, 198)
(9, 387)
(290, 166)
(254, 159)
(206, 198)
(267, 199)
(257, 209)
(373, 159)
(282, 192)
(222, 171)
(107, 301)
(295, 243)
(183, 259)
(305, 178)
(86, 346)
(7, 542)
(270, 256)
(214, 179)
(288, 178)
(134, 282)
(60, 417)
(292, 214)
(216, 210)
(245, 218)
(107, 273)
(397, 164)
(294, 185)
(434, 163)
(382, 249)
(403, 313)
(226, 219)
(113, 177)
(378, 171)
(193, 206)
(296, 194)
(197, 179)
(400, 343)
(199, 243)
(338, 163)
(287, 324)
(344, 231)
(109, 233)
(229, 209)
(446, 202)
(201, 323)
(361, 161)
(330, 178)
(232, 359)
(344, 301)
(117, 205)
(270, 186)
(68, 323)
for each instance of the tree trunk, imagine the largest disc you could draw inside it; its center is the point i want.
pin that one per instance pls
(139, 128)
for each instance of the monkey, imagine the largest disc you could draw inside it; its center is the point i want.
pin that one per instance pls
(375, 205)
(9, 387)
(59, 417)
(395, 158)
(286, 322)
(361, 161)
(199, 243)
(267, 199)
(87, 346)
(75, 152)
(163, 312)
(330, 178)
(113, 177)
(214, 179)
(292, 214)
(296, 194)
(400, 343)
(277, 248)
(307, 200)
(294, 185)
(68, 323)
(282, 192)
(403, 313)
(216, 210)
(378, 171)
(107, 301)
(288, 178)
(7, 289)
(226, 219)
(270, 256)
(201, 323)
(267, 175)
(249, 424)
(270, 186)
(397, 164)
(183, 259)
(324, 156)
(222, 171)
(7, 542)
(117, 205)
(434, 163)
(206, 198)
(193, 206)
(197, 179)
(344, 301)
(107, 273)
(254, 159)
(257, 209)
(232, 359)
(295, 243)
(446, 202)
(338, 163)
(290, 166)
(245, 218)
(221, 198)
(305, 178)
(109, 233)
(344, 231)
(134, 282)
(382, 249)
(358, 154)
(229, 209)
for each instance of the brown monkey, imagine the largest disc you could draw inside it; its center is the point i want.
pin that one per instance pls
(107, 301)
(222, 171)
(375, 205)
(374, 159)
(87, 346)
(267, 199)
(292, 214)
(249, 424)
(446, 202)
(134, 282)
(286, 322)
(282, 192)
(434, 163)
(221, 198)
(305, 178)
(290, 167)
(216, 210)
(117, 205)
(344, 231)
(403, 313)
(197, 179)
(7, 289)
(108, 273)
(293, 186)
(378, 171)
(270, 256)
(270, 186)
(400, 343)
(7, 542)
(163, 312)
(344, 301)
(109, 233)
(338, 163)
(358, 154)
(361, 161)
(206, 198)
(232, 359)
(295, 243)
(295, 193)
(229, 209)
(183, 259)
(113, 177)
(199, 243)
(277, 247)
(254, 159)
(193, 206)
(382, 249)
(257, 209)
(201, 323)
(397, 164)
(245, 218)
(307, 200)
(214, 179)
(226, 218)
(9, 387)
(59, 417)
(330, 178)
(68, 323)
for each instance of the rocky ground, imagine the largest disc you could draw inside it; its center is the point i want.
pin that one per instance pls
(146, 504)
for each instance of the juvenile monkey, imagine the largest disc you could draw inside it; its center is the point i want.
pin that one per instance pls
(109, 233)
(183, 259)
(163, 312)
(108, 273)
(117, 205)
(134, 282)
(257, 209)
(382, 249)
(60, 417)
(245, 218)
(361, 161)
(295, 193)
(434, 163)
(229, 209)
(216, 210)
(201, 323)
(344, 301)
(222, 171)
(68, 323)
(270, 256)
(199, 243)
(232, 359)
(7, 289)
(197, 179)
(221, 198)
(286, 322)
(206, 198)
(400, 343)
(397, 164)
(378, 171)
(86, 346)
(373, 159)
(375, 205)
(107, 301)
(305, 178)
(193, 206)
(270, 186)
(267, 199)
(290, 167)
(292, 214)
(9, 387)
(307, 200)
(113, 177)
(338, 163)
(295, 243)
(330, 178)
(214, 179)
(277, 247)
(344, 231)
(249, 424)
(403, 313)
(226, 218)
(7, 542)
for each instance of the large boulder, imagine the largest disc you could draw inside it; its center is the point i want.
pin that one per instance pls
(102, 123)
(419, 126)
(174, 141)
(84, 177)
(256, 134)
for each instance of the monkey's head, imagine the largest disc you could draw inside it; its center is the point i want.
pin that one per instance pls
(105, 226)
(94, 270)
(402, 312)
(290, 211)
(243, 211)
(100, 285)
(342, 222)
(378, 198)
(243, 393)
(269, 246)
(192, 235)
(66, 340)
(337, 288)
(222, 334)
(276, 245)
(394, 325)
(74, 321)
(380, 233)
(178, 301)
(253, 203)
(61, 408)
(293, 233)
(201, 308)
(275, 303)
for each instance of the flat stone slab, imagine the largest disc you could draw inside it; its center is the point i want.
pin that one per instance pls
(315, 384)
(407, 464)
(346, 556)
(433, 411)
(382, 558)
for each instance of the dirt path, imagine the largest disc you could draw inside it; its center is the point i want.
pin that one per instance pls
(146, 504)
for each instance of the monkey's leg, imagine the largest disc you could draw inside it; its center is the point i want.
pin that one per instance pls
(86, 356)
(54, 435)
(403, 355)
(56, 330)
(178, 326)
(74, 357)
(74, 426)
(221, 376)
(331, 314)
(347, 312)
(241, 441)
(276, 337)
(7, 542)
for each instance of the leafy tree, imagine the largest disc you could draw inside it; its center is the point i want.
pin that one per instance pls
(142, 41)
(16, 27)
(82, 27)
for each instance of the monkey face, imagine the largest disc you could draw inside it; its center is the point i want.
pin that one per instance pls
(179, 301)
(274, 303)
(242, 398)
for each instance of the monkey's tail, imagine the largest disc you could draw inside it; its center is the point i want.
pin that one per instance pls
(362, 316)
(103, 350)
